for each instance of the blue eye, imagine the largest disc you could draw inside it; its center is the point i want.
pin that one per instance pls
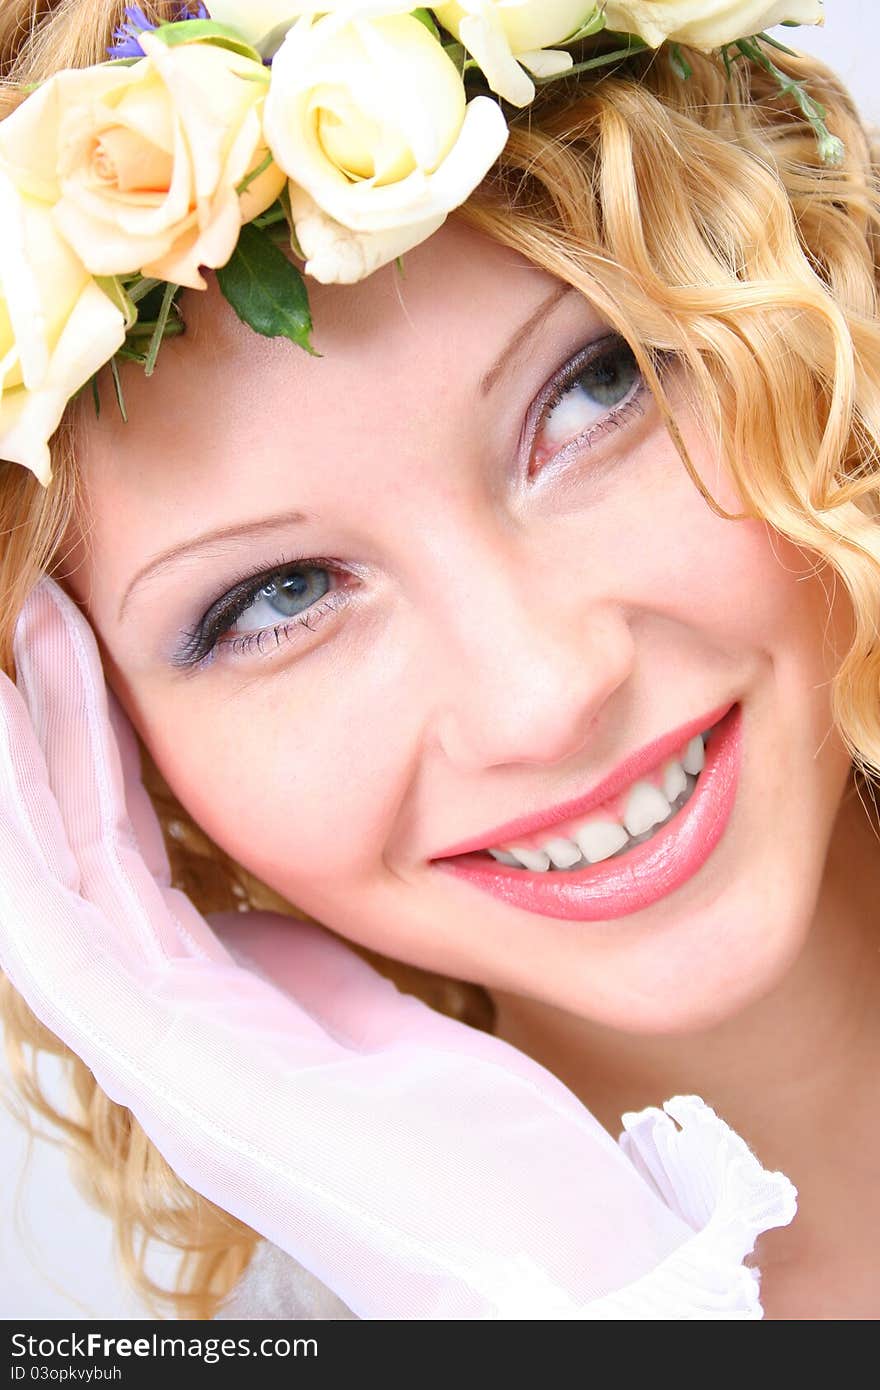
(591, 394)
(263, 610)
(285, 596)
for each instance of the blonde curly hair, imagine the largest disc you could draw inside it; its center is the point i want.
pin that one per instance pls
(697, 218)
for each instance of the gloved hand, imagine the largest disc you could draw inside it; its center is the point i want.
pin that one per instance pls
(419, 1167)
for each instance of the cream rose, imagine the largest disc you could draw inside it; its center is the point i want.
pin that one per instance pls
(143, 161)
(507, 36)
(705, 24)
(369, 118)
(56, 328)
(254, 19)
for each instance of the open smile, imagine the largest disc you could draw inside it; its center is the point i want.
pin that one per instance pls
(639, 874)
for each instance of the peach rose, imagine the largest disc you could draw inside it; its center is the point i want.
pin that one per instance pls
(143, 162)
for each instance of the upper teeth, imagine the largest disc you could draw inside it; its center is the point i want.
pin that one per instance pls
(646, 806)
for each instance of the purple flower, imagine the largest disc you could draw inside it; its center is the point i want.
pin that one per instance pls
(126, 36)
(126, 44)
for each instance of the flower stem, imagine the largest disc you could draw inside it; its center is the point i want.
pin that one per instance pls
(830, 146)
(159, 330)
(117, 387)
(635, 46)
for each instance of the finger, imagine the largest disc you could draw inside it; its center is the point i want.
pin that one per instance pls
(332, 981)
(34, 835)
(190, 925)
(61, 678)
(143, 818)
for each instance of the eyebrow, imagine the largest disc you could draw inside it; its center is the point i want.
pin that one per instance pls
(521, 337)
(249, 530)
(194, 547)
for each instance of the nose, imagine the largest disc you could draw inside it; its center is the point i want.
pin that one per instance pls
(528, 657)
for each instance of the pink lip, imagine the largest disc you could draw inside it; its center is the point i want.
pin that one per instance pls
(635, 766)
(617, 887)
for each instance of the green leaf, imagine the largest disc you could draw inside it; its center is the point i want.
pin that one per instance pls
(679, 63)
(129, 354)
(90, 384)
(284, 201)
(266, 290)
(294, 244)
(118, 295)
(146, 328)
(774, 43)
(425, 17)
(209, 31)
(117, 387)
(138, 287)
(273, 214)
(279, 235)
(263, 77)
(459, 55)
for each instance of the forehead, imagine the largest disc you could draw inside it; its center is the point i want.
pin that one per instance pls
(227, 409)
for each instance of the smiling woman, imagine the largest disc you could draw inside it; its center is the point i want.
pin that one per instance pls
(520, 648)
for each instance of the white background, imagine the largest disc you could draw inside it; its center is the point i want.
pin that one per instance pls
(55, 1252)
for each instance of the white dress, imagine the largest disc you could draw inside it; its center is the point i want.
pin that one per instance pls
(704, 1172)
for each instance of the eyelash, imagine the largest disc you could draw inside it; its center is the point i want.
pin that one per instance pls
(201, 644)
(567, 376)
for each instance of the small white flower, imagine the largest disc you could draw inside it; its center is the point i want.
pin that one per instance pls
(368, 117)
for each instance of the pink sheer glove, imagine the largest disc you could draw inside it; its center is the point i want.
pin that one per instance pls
(418, 1167)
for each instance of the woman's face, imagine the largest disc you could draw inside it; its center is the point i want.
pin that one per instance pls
(366, 607)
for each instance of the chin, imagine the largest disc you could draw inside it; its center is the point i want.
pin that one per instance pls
(681, 992)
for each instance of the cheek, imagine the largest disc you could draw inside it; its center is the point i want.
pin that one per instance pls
(739, 584)
(297, 777)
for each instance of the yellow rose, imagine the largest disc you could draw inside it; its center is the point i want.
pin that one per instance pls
(143, 161)
(369, 118)
(506, 36)
(56, 328)
(705, 24)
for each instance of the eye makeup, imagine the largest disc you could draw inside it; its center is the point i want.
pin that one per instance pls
(199, 643)
(554, 429)
(555, 424)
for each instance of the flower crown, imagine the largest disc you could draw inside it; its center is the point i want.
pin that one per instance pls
(345, 134)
